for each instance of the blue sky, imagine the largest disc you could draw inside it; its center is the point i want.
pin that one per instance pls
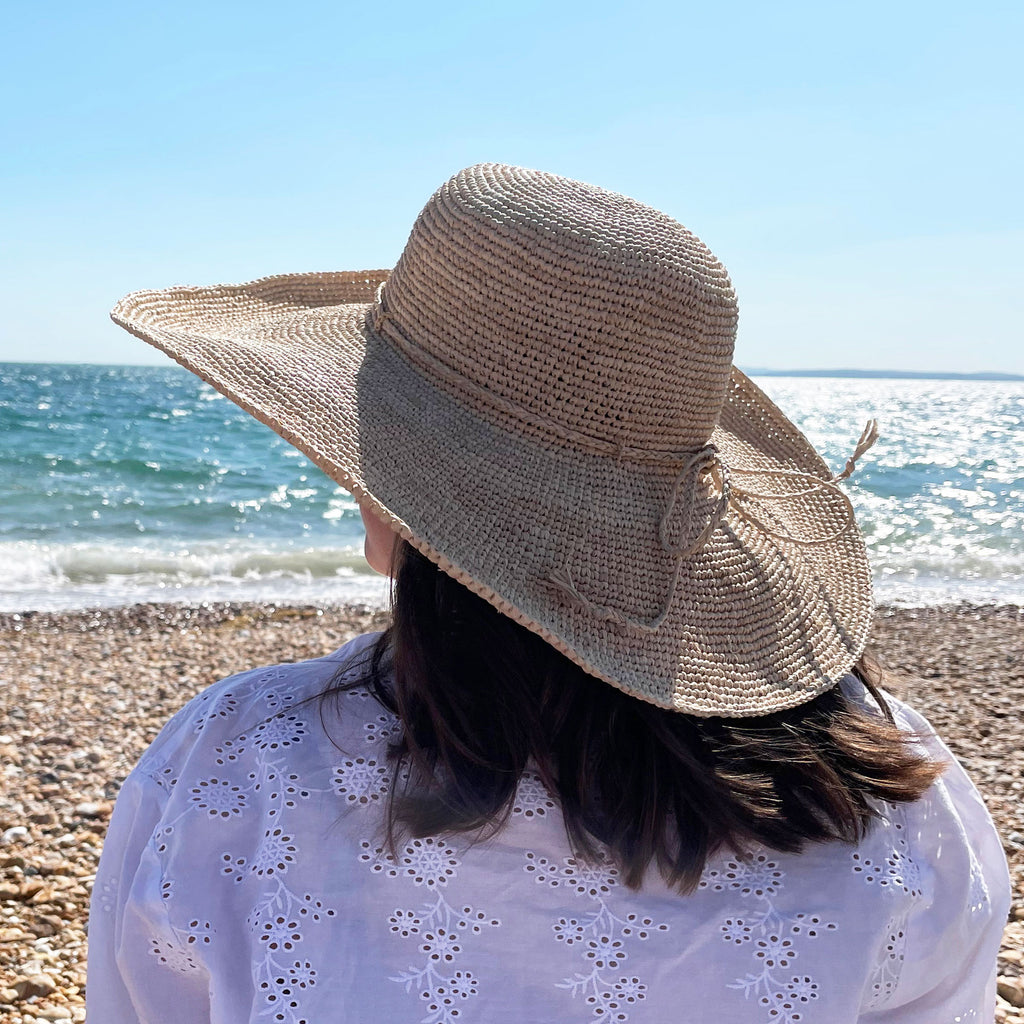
(857, 167)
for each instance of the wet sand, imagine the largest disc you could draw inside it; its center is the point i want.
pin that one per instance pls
(83, 693)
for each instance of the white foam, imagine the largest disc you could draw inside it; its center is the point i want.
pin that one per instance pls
(52, 577)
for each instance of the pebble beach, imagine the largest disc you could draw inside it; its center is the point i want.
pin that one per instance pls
(83, 693)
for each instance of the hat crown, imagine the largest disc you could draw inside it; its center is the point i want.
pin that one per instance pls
(585, 309)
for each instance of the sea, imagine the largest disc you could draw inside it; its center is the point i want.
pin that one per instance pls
(127, 484)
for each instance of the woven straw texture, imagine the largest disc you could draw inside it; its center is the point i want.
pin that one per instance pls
(540, 397)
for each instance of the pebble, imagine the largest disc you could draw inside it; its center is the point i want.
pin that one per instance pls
(75, 724)
(34, 985)
(93, 810)
(1011, 989)
(46, 925)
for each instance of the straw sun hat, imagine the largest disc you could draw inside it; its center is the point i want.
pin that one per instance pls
(540, 397)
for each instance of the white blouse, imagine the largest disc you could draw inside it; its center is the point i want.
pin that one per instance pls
(244, 879)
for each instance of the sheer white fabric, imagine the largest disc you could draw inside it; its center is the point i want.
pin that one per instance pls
(244, 879)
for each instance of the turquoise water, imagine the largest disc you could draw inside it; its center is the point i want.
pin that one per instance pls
(125, 484)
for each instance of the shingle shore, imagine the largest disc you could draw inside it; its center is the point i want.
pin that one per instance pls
(83, 693)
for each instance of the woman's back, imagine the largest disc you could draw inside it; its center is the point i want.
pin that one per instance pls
(248, 851)
(622, 566)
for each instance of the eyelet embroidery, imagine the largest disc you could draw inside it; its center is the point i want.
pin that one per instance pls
(601, 935)
(978, 895)
(899, 874)
(281, 976)
(440, 928)
(175, 951)
(383, 728)
(360, 780)
(767, 935)
(428, 862)
(218, 797)
(173, 956)
(447, 995)
(279, 732)
(157, 768)
(280, 696)
(532, 798)
(107, 894)
(222, 706)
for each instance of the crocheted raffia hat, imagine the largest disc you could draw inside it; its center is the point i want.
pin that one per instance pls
(540, 397)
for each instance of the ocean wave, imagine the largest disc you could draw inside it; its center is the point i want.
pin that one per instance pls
(63, 576)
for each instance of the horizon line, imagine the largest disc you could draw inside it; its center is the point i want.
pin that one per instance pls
(755, 371)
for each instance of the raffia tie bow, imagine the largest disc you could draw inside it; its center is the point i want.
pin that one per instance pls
(697, 466)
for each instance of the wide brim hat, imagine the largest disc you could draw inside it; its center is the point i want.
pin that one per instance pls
(540, 397)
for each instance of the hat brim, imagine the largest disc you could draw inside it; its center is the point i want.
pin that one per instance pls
(760, 620)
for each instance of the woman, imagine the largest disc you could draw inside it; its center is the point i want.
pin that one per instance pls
(619, 756)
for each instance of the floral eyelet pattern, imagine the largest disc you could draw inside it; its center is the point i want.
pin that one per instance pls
(173, 956)
(177, 951)
(440, 929)
(218, 797)
(253, 772)
(107, 892)
(382, 728)
(979, 898)
(279, 694)
(897, 873)
(361, 780)
(769, 937)
(429, 862)
(162, 773)
(279, 732)
(532, 799)
(602, 937)
(223, 705)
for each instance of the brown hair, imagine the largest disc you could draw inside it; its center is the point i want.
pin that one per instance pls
(482, 698)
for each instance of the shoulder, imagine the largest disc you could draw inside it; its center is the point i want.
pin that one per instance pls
(950, 817)
(237, 791)
(270, 689)
(255, 705)
(942, 861)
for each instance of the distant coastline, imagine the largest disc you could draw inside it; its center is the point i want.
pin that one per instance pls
(760, 371)
(750, 371)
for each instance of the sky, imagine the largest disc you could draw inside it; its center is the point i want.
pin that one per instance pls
(857, 167)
